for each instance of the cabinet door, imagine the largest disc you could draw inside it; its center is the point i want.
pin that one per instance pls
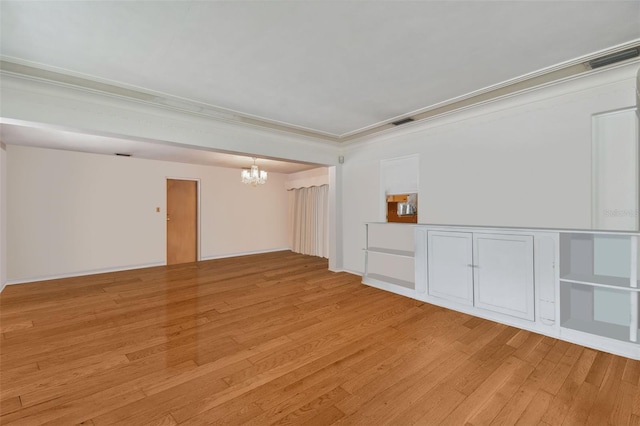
(450, 258)
(503, 274)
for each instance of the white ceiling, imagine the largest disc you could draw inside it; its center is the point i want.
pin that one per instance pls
(72, 141)
(334, 67)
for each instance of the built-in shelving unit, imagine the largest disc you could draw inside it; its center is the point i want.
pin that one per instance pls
(599, 286)
(380, 279)
(577, 285)
(389, 256)
(393, 252)
(599, 281)
(600, 328)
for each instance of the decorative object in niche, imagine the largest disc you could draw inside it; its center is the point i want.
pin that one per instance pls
(402, 208)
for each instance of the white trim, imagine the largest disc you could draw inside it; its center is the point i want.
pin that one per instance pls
(600, 343)
(633, 326)
(533, 326)
(3, 215)
(347, 271)
(84, 273)
(129, 267)
(198, 219)
(336, 258)
(595, 195)
(32, 100)
(245, 253)
(508, 229)
(581, 82)
(519, 79)
(216, 112)
(392, 288)
(175, 104)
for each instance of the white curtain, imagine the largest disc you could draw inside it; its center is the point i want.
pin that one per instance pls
(309, 212)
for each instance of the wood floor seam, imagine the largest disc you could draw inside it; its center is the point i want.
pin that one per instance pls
(277, 338)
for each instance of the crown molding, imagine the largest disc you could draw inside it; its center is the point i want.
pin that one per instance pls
(40, 103)
(539, 79)
(593, 79)
(37, 72)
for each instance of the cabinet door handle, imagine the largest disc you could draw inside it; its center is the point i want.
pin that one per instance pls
(470, 265)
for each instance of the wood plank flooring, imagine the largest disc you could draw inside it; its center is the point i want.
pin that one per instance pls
(278, 339)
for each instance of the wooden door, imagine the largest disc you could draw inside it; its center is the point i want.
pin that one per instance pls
(450, 265)
(182, 221)
(504, 274)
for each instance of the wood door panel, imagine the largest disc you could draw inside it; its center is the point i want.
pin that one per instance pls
(182, 220)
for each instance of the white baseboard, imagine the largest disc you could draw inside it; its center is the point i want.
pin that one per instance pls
(83, 273)
(245, 253)
(130, 267)
(348, 271)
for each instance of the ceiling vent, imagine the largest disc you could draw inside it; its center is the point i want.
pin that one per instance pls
(403, 121)
(120, 154)
(614, 57)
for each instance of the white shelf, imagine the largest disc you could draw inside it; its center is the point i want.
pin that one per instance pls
(390, 280)
(599, 281)
(613, 331)
(393, 252)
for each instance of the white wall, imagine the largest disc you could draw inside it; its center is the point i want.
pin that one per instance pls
(521, 161)
(335, 219)
(41, 103)
(3, 215)
(307, 178)
(72, 213)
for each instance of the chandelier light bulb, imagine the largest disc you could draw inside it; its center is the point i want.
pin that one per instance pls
(253, 176)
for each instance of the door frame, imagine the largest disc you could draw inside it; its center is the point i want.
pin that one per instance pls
(198, 219)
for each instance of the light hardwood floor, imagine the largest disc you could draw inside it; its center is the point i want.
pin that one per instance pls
(278, 339)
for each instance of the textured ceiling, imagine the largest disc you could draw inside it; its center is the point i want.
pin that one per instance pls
(334, 67)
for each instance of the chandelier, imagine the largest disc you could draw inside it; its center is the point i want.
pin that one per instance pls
(253, 176)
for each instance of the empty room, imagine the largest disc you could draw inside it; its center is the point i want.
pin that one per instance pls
(319, 212)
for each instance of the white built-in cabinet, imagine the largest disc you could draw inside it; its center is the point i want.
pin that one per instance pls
(580, 286)
(449, 266)
(503, 274)
(489, 271)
